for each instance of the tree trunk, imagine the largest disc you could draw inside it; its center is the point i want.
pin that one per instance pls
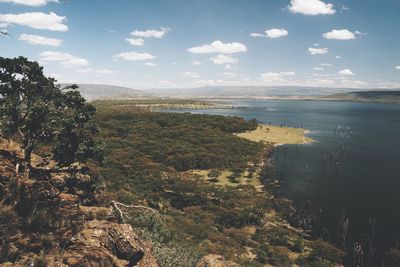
(27, 156)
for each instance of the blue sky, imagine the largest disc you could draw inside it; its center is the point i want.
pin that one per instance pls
(192, 43)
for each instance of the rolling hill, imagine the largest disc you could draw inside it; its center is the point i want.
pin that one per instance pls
(387, 96)
(101, 91)
(248, 91)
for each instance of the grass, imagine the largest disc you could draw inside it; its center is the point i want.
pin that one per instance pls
(277, 135)
(224, 178)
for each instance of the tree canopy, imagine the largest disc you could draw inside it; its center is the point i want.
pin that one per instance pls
(38, 112)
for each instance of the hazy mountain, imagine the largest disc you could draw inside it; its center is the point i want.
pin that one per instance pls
(97, 91)
(250, 91)
(392, 96)
(100, 91)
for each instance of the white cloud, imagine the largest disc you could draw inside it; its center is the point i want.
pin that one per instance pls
(65, 59)
(276, 33)
(36, 20)
(341, 34)
(322, 75)
(317, 51)
(219, 47)
(271, 33)
(35, 3)
(255, 34)
(397, 67)
(190, 74)
(105, 71)
(276, 76)
(346, 72)
(99, 71)
(196, 63)
(150, 64)
(318, 68)
(223, 59)
(88, 70)
(151, 33)
(39, 40)
(228, 74)
(326, 65)
(311, 7)
(134, 56)
(338, 57)
(135, 42)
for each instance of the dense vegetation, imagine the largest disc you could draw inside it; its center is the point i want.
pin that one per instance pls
(147, 153)
(380, 96)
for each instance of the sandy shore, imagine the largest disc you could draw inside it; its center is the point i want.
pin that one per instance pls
(277, 135)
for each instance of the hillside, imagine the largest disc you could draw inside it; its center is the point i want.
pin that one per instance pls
(367, 96)
(61, 219)
(176, 190)
(66, 219)
(248, 91)
(101, 91)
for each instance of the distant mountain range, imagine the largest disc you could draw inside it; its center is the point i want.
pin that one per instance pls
(100, 91)
(250, 91)
(96, 91)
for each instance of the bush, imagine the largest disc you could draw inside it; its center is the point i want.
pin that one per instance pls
(324, 250)
(7, 214)
(298, 245)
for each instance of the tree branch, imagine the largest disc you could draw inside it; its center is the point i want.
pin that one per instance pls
(121, 214)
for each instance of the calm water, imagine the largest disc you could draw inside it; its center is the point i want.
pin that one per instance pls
(351, 172)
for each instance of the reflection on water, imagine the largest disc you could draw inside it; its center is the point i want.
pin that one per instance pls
(351, 175)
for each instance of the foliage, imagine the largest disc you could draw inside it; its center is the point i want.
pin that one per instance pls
(147, 153)
(323, 251)
(182, 141)
(168, 252)
(33, 108)
(7, 214)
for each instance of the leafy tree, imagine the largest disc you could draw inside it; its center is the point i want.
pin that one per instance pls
(37, 110)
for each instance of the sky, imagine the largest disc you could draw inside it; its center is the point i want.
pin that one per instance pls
(146, 44)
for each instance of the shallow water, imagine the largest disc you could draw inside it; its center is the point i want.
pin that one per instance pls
(352, 170)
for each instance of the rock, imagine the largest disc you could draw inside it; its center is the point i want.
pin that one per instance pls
(213, 260)
(55, 220)
(103, 243)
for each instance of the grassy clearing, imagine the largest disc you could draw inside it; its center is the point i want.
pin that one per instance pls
(225, 178)
(277, 135)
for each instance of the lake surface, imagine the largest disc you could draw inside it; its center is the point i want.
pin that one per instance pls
(350, 176)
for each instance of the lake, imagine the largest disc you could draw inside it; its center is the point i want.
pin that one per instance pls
(349, 179)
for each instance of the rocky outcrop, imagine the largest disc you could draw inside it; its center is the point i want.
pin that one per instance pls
(61, 220)
(112, 243)
(215, 261)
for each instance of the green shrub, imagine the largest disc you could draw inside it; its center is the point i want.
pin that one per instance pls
(326, 251)
(298, 245)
